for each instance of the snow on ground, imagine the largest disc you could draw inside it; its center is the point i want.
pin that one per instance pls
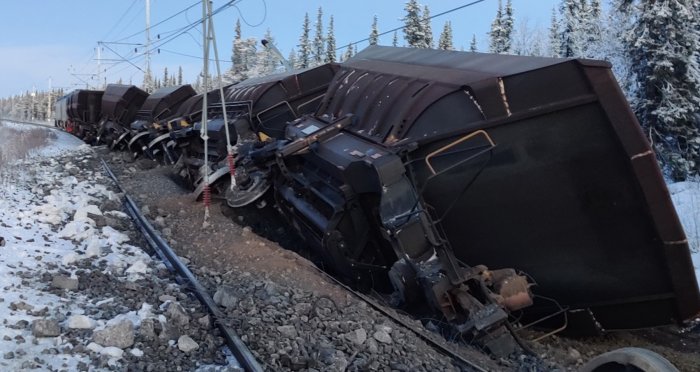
(686, 198)
(46, 226)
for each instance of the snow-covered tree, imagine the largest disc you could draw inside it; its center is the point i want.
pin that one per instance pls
(427, 28)
(292, 59)
(395, 40)
(664, 48)
(445, 41)
(472, 45)
(507, 25)
(571, 33)
(304, 56)
(319, 45)
(148, 84)
(414, 31)
(374, 33)
(179, 75)
(554, 45)
(496, 35)
(166, 77)
(330, 42)
(267, 62)
(591, 29)
(349, 52)
(528, 40)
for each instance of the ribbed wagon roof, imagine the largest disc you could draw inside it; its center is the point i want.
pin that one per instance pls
(388, 88)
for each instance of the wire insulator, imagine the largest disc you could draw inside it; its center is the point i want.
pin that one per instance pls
(207, 196)
(231, 165)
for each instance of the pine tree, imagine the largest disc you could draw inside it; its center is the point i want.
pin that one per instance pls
(179, 75)
(427, 28)
(592, 29)
(237, 52)
(414, 32)
(267, 61)
(507, 25)
(496, 33)
(330, 42)
(148, 83)
(554, 36)
(292, 59)
(374, 33)
(304, 56)
(570, 39)
(349, 52)
(395, 40)
(319, 47)
(166, 78)
(472, 45)
(663, 46)
(445, 41)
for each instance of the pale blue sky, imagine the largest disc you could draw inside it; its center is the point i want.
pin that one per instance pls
(57, 39)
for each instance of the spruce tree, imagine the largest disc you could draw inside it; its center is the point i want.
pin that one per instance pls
(472, 45)
(348, 52)
(413, 26)
(445, 41)
(319, 46)
(292, 59)
(330, 42)
(663, 47)
(374, 33)
(507, 25)
(427, 28)
(237, 52)
(304, 56)
(496, 33)
(554, 36)
(166, 78)
(570, 38)
(592, 30)
(395, 40)
(179, 75)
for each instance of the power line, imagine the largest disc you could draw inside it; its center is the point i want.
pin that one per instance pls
(120, 19)
(161, 22)
(192, 56)
(402, 27)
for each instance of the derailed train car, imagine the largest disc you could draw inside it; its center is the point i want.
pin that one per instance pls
(421, 166)
(120, 103)
(257, 108)
(151, 120)
(78, 112)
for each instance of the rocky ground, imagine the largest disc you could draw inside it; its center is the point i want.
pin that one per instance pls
(85, 293)
(79, 292)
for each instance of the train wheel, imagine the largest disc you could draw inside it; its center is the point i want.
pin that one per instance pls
(629, 359)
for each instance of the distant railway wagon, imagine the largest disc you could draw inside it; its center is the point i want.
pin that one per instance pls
(78, 111)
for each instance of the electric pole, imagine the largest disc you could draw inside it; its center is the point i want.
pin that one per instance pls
(147, 77)
(99, 67)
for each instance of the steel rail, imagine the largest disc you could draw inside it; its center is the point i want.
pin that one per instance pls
(420, 334)
(238, 348)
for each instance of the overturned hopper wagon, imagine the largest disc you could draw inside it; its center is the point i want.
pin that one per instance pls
(421, 165)
(151, 120)
(120, 103)
(257, 108)
(78, 113)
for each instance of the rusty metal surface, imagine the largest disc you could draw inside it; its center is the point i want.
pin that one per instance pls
(121, 102)
(571, 194)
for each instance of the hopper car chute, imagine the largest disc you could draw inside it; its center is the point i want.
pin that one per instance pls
(120, 103)
(151, 120)
(256, 108)
(78, 111)
(421, 165)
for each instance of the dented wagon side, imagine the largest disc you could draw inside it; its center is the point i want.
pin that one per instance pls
(420, 166)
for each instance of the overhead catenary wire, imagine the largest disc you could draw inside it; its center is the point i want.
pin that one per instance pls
(402, 27)
(160, 22)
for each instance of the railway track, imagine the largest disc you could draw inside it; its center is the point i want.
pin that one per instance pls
(243, 355)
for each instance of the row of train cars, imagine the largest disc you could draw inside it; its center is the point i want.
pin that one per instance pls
(451, 182)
